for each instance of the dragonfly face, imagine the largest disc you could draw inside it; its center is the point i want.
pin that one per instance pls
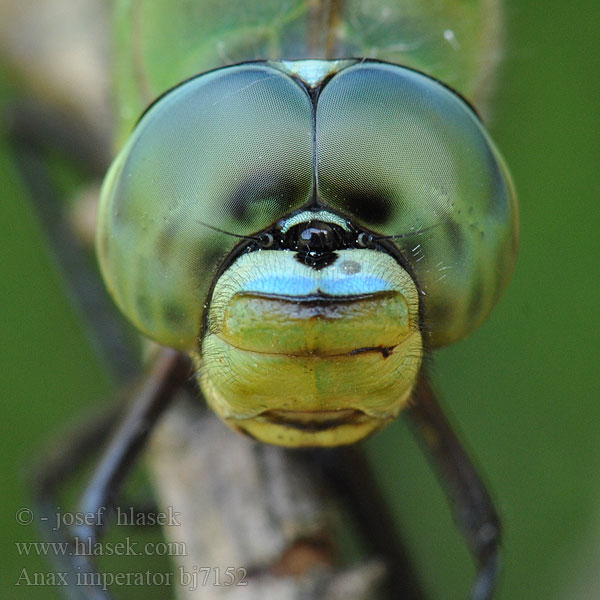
(305, 230)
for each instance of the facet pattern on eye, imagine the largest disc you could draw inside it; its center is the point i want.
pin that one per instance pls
(212, 138)
(405, 156)
(231, 150)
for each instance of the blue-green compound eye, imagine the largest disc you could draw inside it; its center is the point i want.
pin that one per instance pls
(401, 153)
(232, 149)
(240, 148)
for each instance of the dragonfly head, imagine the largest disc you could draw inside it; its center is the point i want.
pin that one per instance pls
(305, 229)
(313, 341)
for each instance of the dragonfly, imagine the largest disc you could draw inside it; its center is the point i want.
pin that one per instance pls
(303, 207)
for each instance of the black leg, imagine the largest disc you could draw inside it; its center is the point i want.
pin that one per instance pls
(472, 505)
(347, 469)
(169, 373)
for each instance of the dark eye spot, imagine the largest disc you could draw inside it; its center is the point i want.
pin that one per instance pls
(173, 314)
(143, 307)
(455, 237)
(373, 209)
(263, 197)
(165, 243)
(206, 259)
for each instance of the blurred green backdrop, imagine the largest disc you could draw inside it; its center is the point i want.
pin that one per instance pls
(523, 390)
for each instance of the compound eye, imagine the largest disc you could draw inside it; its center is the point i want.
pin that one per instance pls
(404, 156)
(227, 151)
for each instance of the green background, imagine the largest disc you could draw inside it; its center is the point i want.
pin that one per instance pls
(523, 390)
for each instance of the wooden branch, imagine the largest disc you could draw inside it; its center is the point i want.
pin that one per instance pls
(249, 506)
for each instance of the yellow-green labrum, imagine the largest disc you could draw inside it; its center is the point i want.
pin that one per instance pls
(302, 357)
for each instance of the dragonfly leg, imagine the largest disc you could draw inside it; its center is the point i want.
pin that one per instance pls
(471, 502)
(348, 470)
(167, 375)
